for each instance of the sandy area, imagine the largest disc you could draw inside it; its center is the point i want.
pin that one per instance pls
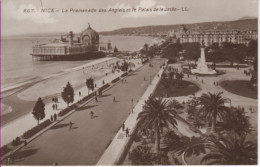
(55, 85)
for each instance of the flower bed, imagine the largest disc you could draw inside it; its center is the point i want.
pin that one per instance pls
(36, 129)
(115, 80)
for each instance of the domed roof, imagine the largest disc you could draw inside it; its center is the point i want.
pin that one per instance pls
(93, 35)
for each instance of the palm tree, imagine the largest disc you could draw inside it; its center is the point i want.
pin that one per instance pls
(230, 150)
(156, 114)
(236, 121)
(184, 145)
(212, 108)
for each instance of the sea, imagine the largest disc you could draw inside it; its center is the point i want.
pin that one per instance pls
(17, 66)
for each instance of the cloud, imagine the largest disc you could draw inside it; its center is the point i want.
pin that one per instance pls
(11, 11)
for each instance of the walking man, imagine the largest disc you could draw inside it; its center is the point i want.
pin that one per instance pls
(25, 143)
(125, 80)
(79, 93)
(53, 106)
(127, 132)
(96, 99)
(91, 114)
(70, 124)
(114, 99)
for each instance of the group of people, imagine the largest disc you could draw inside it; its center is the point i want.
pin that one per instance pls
(126, 130)
(55, 99)
(55, 106)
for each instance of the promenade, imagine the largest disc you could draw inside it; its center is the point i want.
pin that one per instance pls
(26, 122)
(88, 138)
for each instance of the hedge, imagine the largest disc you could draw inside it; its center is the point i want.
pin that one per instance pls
(125, 74)
(104, 87)
(115, 80)
(36, 129)
(67, 110)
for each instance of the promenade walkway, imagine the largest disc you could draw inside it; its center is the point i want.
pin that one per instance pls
(88, 138)
(26, 122)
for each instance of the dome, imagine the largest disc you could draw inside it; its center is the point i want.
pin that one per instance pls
(89, 36)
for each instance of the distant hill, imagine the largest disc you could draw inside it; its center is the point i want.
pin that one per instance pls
(244, 24)
(247, 17)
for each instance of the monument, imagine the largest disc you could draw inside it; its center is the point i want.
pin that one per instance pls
(202, 67)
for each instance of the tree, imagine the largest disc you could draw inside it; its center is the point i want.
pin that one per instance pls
(174, 104)
(124, 66)
(236, 122)
(184, 145)
(90, 84)
(156, 115)
(213, 107)
(68, 94)
(141, 155)
(115, 49)
(39, 110)
(230, 150)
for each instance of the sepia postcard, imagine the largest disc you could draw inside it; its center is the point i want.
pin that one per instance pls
(129, 82)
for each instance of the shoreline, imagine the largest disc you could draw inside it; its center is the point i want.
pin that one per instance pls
(20, 106)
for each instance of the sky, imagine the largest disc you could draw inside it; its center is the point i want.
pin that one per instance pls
(15, 21)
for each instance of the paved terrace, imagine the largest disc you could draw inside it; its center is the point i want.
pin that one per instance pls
(88, 138)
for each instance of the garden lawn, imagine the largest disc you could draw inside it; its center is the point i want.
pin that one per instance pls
(239, 87)
(175, 88)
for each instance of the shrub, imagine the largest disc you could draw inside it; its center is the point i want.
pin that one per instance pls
(16, 141)
(115, 80)
(67, 110)
(4, 150)
(104, 87)
(36, 129)
(123, 75)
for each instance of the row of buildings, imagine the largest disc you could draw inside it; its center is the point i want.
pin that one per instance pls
(210, 37)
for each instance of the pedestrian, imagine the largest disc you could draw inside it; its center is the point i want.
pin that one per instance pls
(214, 83)
(127, 132)
(11, 158)
(79, 93)
(96, 99)
(125, 80)
(55, 117)
(70, 124)
(123, 127)
(56, 106)
(8, 161)
(53, 107)
(91, 114)
(52, 99)
(25, 143)
(114, 99)
(144, 78)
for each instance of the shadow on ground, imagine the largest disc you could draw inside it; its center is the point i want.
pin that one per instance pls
(85, 107)
(59, 126)
(20, 155)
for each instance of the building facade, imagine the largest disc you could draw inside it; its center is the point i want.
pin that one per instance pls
(210, 37)
(68, 47)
